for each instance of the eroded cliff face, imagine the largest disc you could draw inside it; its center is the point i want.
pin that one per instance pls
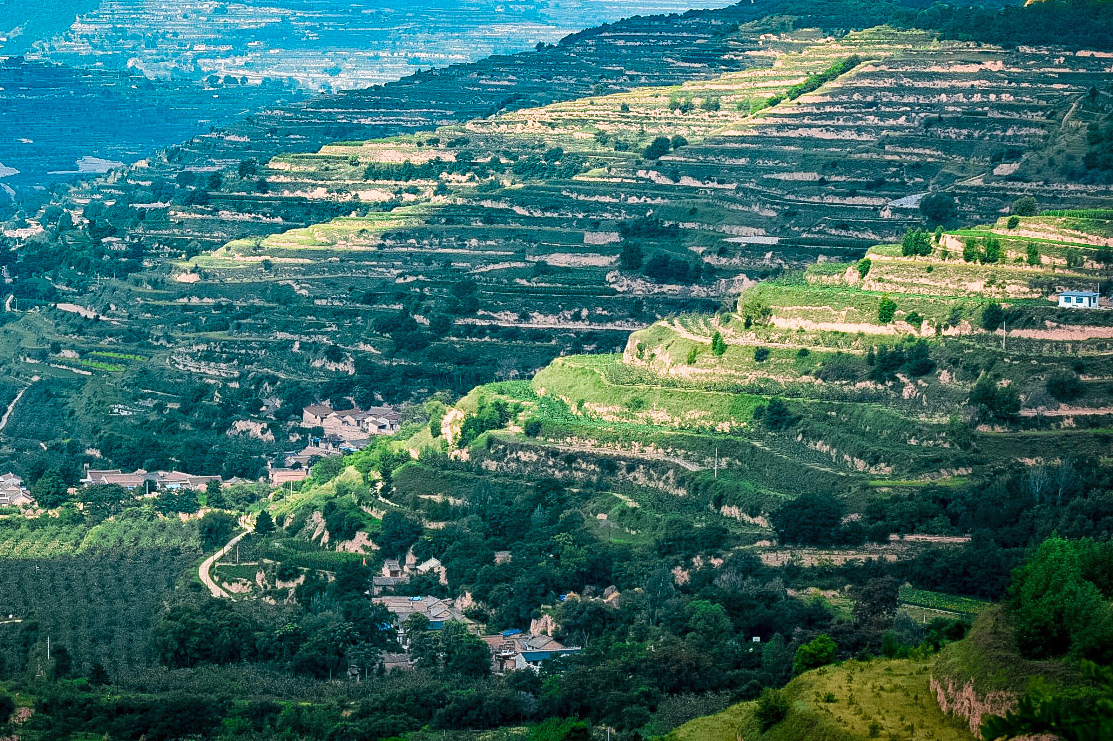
(965, 702)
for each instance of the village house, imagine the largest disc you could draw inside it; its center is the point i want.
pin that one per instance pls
(438, 612)
(13, 493)
(283, 476)
(1079, 299)
(391, 575)
(146, 480)
(353, 426)
(512, 650)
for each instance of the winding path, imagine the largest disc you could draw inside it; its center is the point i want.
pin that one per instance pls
(207, 564)
(11, 408)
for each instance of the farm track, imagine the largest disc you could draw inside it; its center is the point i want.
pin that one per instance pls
(203, 571)
(11, 408)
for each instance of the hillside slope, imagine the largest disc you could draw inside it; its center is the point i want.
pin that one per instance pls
(851, 701)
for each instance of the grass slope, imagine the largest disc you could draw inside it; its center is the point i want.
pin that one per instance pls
(842, 703)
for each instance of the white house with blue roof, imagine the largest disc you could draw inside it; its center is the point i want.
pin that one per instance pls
(1079, 299)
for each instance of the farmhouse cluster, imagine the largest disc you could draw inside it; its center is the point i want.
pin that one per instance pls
(510, 650)
(13, 493)
(149, 481)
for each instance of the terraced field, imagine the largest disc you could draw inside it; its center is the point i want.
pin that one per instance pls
(388, 269)
(681, 419)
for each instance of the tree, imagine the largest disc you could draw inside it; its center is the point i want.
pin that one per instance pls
(876, 602)
(992, 317)
(916, 242)
(214, 494)
(993, 401)
(886, 310)
(1033, 253)
(937, 207)
(657, 148)
(970, 251)
(1064, 385)
(399, 532)
(810, 519)
(215, 529)
(761, 354)
(63, 662)
(50, 490)
(264, 524)
(1025, 206)
(463, 654)
(98, 675)
(992, 250)
(817, 653)
(1057, 602)
(718, 345)
(631, 256)
(7, 708)
(777, 415)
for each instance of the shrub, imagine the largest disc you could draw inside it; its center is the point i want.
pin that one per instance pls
(718, 345)
(994, 402)
(886, 309)
(776, 415)
(693, 353)
(772, 707)
(1013, 222)
(970, 251)
(819, 652)
(532, 427)
(992, 249)
(761, 354)
(864, 266)
(916, 242)
(1064, 385)
(1033, 253)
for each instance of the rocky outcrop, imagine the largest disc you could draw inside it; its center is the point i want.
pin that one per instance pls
(964, 701)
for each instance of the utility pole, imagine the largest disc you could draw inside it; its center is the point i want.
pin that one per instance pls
(1004, 332)
(716, 465)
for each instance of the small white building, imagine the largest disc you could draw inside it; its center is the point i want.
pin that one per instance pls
(1079, 299)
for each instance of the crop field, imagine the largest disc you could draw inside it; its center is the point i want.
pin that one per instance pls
(94, 590)
(942, 603)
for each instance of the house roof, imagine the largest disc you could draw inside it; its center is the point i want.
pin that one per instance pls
(434, 608)
(546, 655)
(1085, 294)
(318, 410)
